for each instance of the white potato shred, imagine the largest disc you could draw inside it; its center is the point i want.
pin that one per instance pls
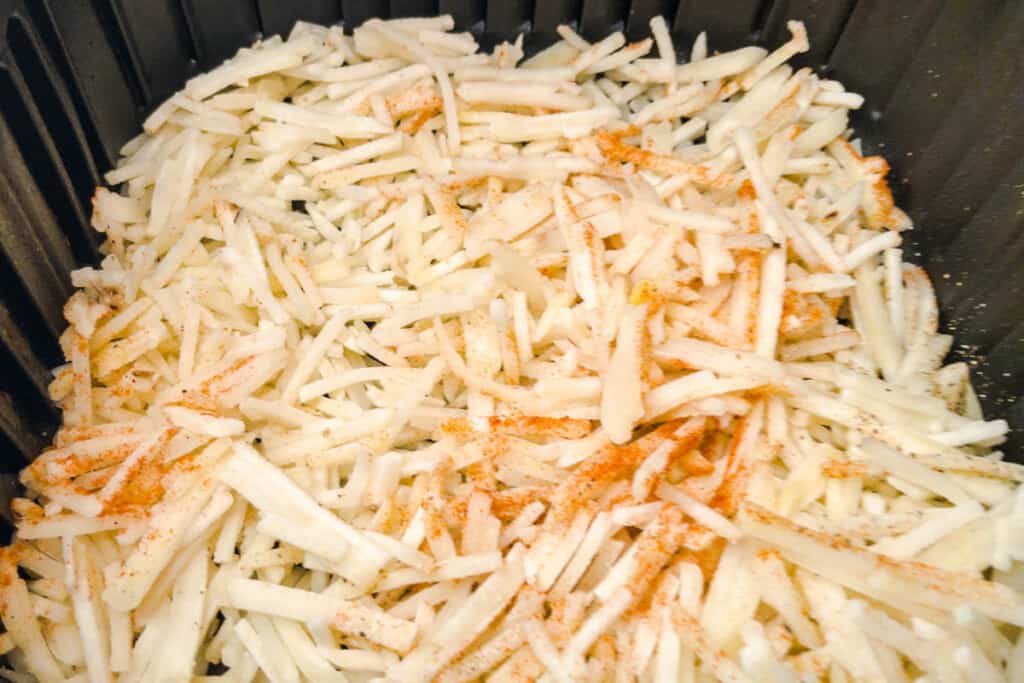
(411, 362)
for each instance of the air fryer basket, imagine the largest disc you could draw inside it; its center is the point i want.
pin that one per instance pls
(945, 105)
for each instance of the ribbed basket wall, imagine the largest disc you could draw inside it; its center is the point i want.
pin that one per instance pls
(942, 81)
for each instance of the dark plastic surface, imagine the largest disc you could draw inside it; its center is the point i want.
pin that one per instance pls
(945, 104)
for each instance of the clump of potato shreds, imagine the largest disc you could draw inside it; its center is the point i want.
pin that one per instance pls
(408, 362)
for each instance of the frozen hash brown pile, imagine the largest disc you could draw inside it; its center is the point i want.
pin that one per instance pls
(409, 362)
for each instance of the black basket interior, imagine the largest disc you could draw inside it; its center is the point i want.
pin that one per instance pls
(944, 104)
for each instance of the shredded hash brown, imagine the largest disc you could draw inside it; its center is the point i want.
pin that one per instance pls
(412, 362)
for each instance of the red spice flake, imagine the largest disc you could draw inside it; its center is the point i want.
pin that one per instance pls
(630, 131)
(731, 491)
(698, 537)
(684, 451)
(601, 469)
(459, 183)
(614, 462)
(435, 526)
(214, 387)
(664, 593)
(883, 216)
(124, 387)
(422, 99)
(801, 313)
(647, 292)
(566, 617)
(74, 464)
(834, 303)
(144, 485)
(753, 222)
(525, 426)
(655, 547)
(695, 463)
(746, 191)
(766, 391)
(483, 474)
(748, 280)
(706, 558)
(844, 469)
(413, 124)
(90, 482)
(442, 199)
(505, 505)
(614, 149)
(9, 558)
(622, 499)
